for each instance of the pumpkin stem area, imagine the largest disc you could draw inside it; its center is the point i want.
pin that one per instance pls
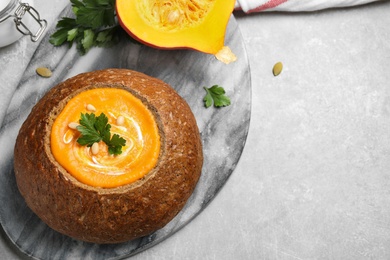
(175, 14)
(128, 117)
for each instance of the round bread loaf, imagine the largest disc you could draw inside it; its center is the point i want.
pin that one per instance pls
(110, 215)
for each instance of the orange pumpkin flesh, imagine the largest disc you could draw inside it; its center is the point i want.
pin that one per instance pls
(194, 24)
(139, 129)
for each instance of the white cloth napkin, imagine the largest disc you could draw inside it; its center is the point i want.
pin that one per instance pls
(250, 6)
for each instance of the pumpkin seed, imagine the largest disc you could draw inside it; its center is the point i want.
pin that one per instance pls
(277, 69)
(73, 125)
(44, 72)
(120, 120)
(95, 148)
(90, 107)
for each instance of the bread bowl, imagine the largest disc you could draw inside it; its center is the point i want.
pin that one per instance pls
(121, 212)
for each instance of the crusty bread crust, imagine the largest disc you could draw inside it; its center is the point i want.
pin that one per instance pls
(119, 214)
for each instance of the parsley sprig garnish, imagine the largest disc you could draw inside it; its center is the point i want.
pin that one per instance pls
(95, 129)
(94, 25)
(216, 95)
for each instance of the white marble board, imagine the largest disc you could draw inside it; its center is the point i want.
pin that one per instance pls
(223, 131)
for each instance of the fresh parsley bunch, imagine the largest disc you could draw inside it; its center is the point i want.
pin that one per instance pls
(95, 129)
(94, 25)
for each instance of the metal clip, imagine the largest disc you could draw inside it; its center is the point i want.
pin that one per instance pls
(22, 28)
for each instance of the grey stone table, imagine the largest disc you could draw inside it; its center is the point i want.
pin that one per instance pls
(313, 180)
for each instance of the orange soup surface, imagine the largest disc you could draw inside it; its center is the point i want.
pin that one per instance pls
(128, 117)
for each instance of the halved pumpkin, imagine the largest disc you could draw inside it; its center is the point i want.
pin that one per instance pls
(169, 24)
